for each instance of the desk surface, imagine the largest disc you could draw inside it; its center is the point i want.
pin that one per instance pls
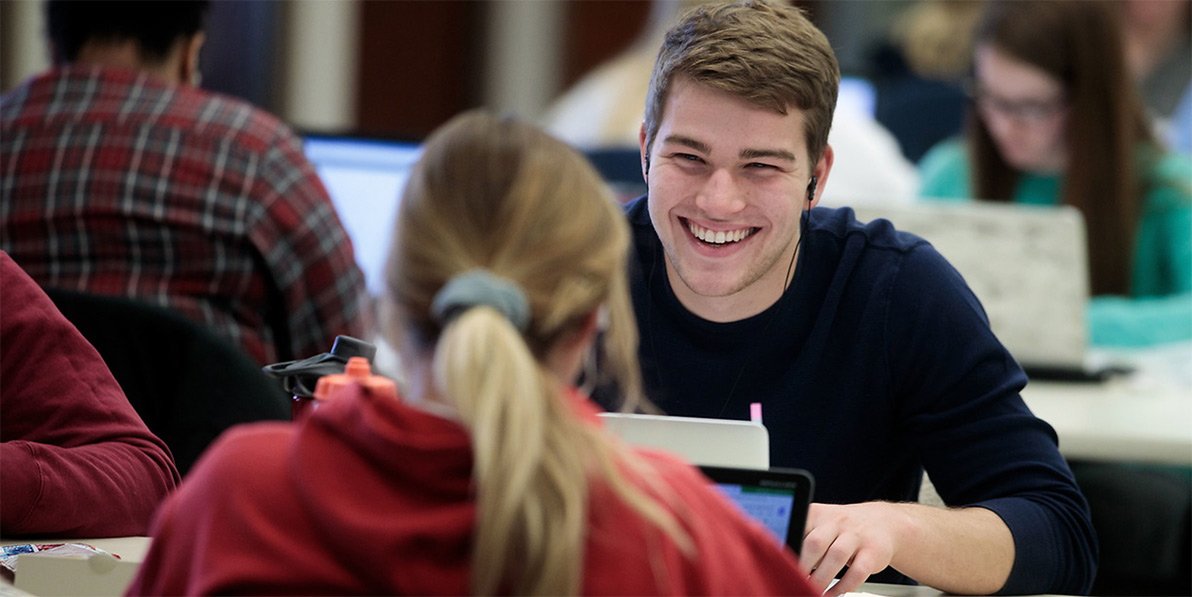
(1121, 420)
(130, 549)
(68, 579)
(133, 549)
(1141, 418)
(889, 590)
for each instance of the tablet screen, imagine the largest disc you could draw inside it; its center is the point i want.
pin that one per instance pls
(771, 507)
(778, 498)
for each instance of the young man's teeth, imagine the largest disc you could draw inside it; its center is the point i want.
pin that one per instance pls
(719, 238)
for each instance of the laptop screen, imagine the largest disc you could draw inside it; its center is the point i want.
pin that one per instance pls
(857, 94)
(1028, 265)
(365, 178)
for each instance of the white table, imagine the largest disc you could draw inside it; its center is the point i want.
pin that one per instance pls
(133, 549)
(892, 590)
(1122, 420)
(129, 549)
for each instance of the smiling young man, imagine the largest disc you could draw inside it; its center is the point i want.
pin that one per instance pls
(870, 357)
(729, 250)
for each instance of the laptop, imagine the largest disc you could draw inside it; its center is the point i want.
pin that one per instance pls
(365, 178)
(705, 442)
(1027, 264)
(777, 498)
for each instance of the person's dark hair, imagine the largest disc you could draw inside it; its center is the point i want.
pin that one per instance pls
(155, 26)
(1079, 43)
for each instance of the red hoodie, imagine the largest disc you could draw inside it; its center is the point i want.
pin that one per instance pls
(76, 460)
(371, 496)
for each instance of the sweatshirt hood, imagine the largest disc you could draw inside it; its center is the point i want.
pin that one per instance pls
(378, 477)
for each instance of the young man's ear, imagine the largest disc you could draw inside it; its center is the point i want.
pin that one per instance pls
(645, 151)
(820, 174)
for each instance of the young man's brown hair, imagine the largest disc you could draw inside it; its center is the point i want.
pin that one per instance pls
(767, 53)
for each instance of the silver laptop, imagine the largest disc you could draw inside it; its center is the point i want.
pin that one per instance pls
(706, 442)
(1027, 264)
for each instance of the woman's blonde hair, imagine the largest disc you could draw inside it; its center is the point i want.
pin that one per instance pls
(500, 196)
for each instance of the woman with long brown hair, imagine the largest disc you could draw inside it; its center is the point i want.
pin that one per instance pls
(1056, 120)
(490, 473)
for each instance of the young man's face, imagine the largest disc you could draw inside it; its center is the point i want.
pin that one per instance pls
(727, 184)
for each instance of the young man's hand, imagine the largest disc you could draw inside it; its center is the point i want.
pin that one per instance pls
(860, 536)
(958, 550)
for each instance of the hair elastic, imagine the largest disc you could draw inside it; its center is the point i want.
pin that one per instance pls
(481, 287)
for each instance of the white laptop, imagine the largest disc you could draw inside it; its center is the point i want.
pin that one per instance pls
(1027, 264)
(705, 442)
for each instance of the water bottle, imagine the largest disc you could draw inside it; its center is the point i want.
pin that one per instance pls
(300, 378)
(357, 371)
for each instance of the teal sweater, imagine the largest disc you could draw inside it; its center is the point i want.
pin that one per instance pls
(1160, 306)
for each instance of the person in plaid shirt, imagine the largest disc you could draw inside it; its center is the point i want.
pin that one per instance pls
(121, 177)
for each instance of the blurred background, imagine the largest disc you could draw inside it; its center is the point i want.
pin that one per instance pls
(399, 68)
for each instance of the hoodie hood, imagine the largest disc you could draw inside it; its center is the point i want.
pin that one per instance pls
(380, 478)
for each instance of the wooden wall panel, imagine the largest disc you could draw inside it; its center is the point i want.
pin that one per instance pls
(419, 64)
(598, 30)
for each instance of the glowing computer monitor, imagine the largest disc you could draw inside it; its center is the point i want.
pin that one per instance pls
(365, 178)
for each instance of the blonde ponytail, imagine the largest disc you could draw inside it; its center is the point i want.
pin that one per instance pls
(495, 383)
(536, 220)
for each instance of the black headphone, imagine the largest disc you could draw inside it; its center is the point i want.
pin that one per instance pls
(646, 173)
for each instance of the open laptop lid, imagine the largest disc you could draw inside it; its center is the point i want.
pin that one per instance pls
(1027, 264)
(777, 498)
(710, 442)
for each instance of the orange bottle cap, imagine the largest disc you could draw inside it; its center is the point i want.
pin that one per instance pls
(356, 371)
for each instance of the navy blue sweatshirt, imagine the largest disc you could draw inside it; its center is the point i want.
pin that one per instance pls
(877, 363)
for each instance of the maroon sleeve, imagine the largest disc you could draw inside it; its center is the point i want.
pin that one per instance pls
(75, 458)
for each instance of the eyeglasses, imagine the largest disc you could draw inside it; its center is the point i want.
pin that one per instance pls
(1026, 111)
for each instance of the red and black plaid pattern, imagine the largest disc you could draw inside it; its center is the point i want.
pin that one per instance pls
(117, 183)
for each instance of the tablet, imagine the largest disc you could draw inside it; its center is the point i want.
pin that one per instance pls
(778, 498)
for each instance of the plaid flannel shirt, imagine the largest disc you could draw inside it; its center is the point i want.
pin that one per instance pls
(117, 183)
